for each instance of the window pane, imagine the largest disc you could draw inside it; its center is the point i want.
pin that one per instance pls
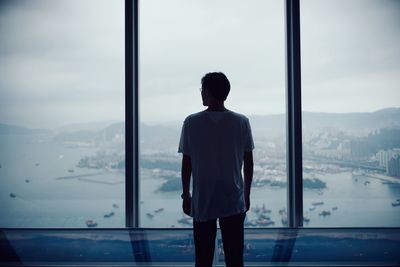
(62, 114)
(181, 41)
(351, 115)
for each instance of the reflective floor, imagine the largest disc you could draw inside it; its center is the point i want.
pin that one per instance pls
(174, 247)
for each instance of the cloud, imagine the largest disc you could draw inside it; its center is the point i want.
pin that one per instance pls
(65, 59)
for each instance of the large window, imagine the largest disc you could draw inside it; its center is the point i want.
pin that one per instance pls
(62, 114)
(180, 41)
(351, 115)
(62, 128)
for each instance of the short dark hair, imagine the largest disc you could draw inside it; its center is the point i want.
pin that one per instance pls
(216, 84)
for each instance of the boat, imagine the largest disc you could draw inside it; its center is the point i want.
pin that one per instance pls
(306, 219)
(91, 223)
(115, 206)
(159, 210)
(312, 208)
(397, 203)
(256, 209)
(367, 182)
(13, 195)
(318, 203)
(71, 170)
(265, 210)
(27, 180)
(37, 164)
(284, 221)
(263, 217)
(150, 215)
(335, 208)
(324, 213)
(108, 215)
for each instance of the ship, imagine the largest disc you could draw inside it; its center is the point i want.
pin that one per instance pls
(115, 206)
(312, 208)
(256, 209)
(27, 180)
(335, 208)
(13, 195)
(306, 219)
(71, 170)
(318, 203)
(397, 203)
(108, 215)
(263, 217)
(265, 210)
(91, 223)
(159, 210)
(324, 213)
(150, 215)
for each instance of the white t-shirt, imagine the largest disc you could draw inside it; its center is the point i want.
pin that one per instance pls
(216, 142)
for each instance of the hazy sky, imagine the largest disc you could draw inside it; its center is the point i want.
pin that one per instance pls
(62, 62)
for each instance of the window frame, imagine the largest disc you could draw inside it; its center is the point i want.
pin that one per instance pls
(293, 114)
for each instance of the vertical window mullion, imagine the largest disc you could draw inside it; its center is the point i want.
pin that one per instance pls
(131, 114)
(293, 115)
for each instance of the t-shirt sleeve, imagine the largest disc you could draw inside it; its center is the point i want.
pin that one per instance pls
(184, 142)
(248, 143)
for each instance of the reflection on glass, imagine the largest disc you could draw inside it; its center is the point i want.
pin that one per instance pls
(351, 114)
(182, 40)
(61, 114)
(173, 247)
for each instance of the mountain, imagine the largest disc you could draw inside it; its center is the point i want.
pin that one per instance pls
(167, 136)
(14, 129)
(385, 118)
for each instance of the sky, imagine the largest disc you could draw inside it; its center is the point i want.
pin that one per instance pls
(62, 62)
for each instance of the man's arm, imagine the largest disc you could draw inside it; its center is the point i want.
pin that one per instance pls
(248, 166)
(186, 173)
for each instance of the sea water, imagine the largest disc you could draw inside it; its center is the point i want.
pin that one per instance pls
(47, 201)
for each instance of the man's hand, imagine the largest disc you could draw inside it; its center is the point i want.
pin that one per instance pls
(247, 202)
(186, 173)
(248, 176)
(186, 205)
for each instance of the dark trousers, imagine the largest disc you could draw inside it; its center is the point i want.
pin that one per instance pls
(232, 239)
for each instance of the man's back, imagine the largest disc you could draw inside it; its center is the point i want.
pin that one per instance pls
(216, 142)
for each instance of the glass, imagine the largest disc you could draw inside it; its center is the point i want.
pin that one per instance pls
(174, 247)
(351, 115)
(62, 158)
(245, 40)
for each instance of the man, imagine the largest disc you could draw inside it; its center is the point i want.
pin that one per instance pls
(215, 143)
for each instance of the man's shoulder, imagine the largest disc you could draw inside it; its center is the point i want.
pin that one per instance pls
(200, 115)
(239, 116)
(194, 116)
